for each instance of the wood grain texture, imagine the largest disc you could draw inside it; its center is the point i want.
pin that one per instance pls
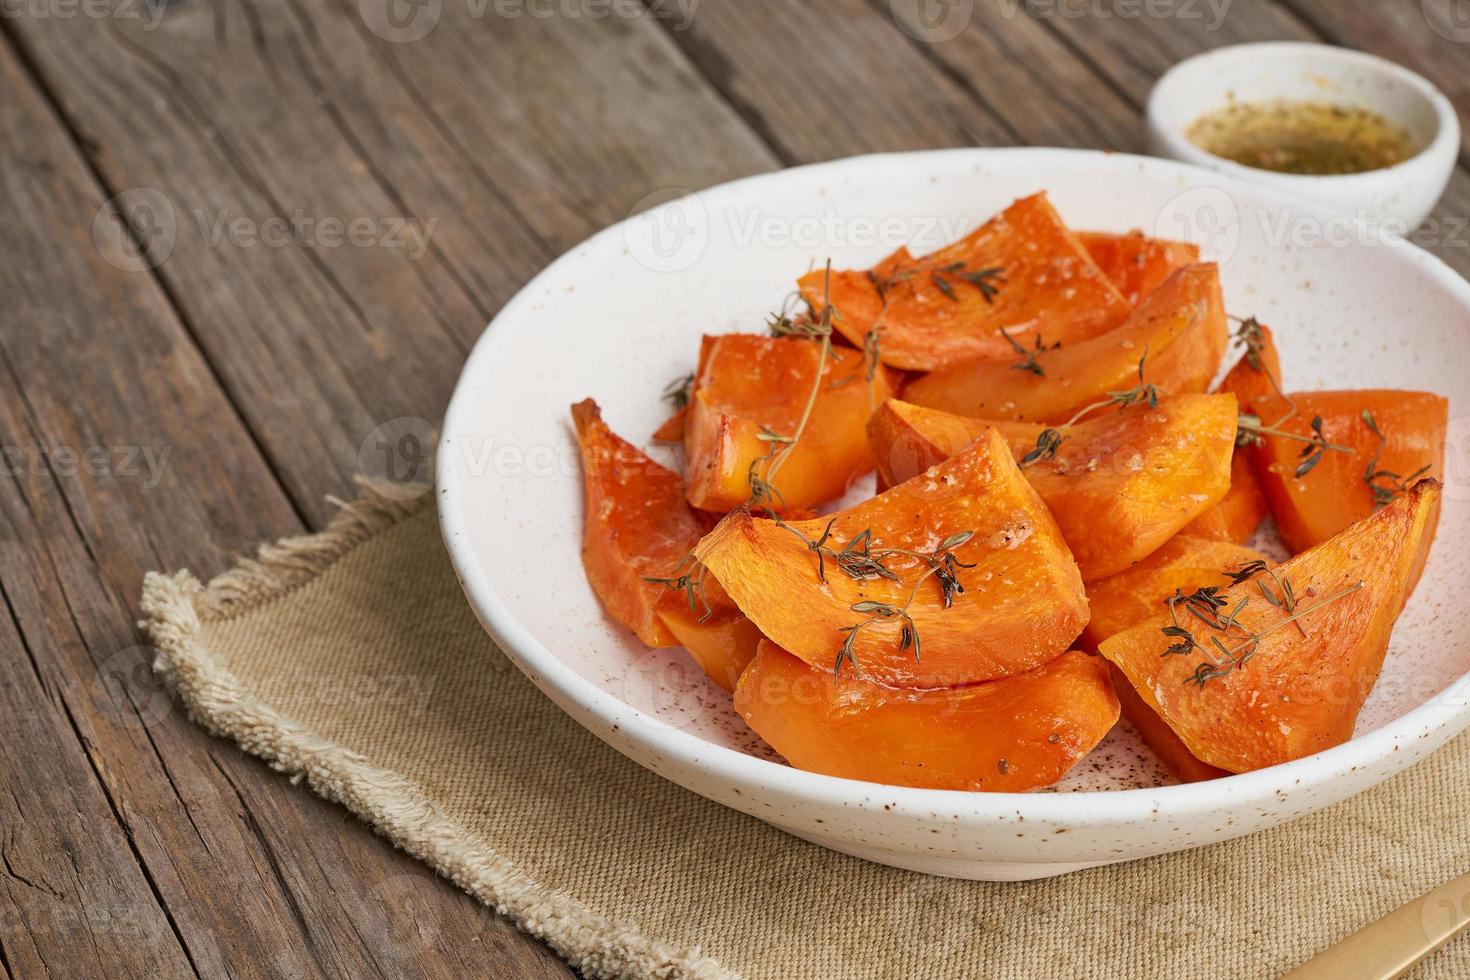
(134, 845)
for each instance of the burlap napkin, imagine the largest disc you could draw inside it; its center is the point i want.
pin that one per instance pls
(351, 658)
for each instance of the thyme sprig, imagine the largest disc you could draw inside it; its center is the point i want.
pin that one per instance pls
(941, 565)
(677, 392)
(1051, 439)
(1029, 357)
(1372, 475)
(1250, 432)
(1207, 606)
(763, 493)
(1250, 336)
(988, 280)
(688, 577)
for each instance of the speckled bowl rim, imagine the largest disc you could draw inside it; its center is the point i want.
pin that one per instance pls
(603, 714)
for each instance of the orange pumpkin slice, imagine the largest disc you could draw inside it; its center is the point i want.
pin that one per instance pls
(1021, 272)
(672, 428)
(1181, 326)
(1123, 600)
(1287, 684)
(1183, 562)
(636, 525)
(1008, 735)
(1337, 491)
(1236, 517)
(715, 633)
(1135, 263)
(748, 388)
(1255, 380)
(1119, 485)
(1159, 737)
(1022, 602)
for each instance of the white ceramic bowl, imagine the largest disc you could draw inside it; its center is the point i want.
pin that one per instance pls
(1397, 197)
(620, 315)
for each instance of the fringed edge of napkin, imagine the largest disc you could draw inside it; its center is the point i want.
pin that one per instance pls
(178, 607)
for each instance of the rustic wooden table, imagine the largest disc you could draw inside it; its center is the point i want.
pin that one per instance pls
(240, 236)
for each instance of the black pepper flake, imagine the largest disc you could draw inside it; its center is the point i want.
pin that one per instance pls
(1004, 766)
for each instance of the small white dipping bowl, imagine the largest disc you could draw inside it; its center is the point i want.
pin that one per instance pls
(1397, 197)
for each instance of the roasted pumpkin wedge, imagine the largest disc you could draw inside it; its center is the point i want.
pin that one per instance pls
(1256, 380)
(1236, 517)
(1159, 737)
(1299, 647)
(1009, 735)
(672, 428)
(955, 576)
(1135, 263)
(636, 525)
(1183, 562)
(747, 390)
(717, 635)
(1119, 485)
(1180, 327)
(1021, 272)
(1400, 439)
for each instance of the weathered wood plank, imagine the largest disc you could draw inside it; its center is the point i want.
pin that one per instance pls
(817, 79)
(149, 846)
(1047, 96)
(322, 344)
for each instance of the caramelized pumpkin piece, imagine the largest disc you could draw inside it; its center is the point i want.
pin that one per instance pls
(1236, 517)
(1181, 326)
(672, 428)
(811, 586)
(637, 525)
(1183, 562)
(1119, 485)
(1159, 737)
(717, 635)
(1256, 380)
(747, 388)
(1294, 694)
(1123, 600)
(1135, 263)
(1336, 491)
(1008, 735)
(1021, 272)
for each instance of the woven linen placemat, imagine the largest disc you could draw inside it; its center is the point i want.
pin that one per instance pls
(351, 658)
